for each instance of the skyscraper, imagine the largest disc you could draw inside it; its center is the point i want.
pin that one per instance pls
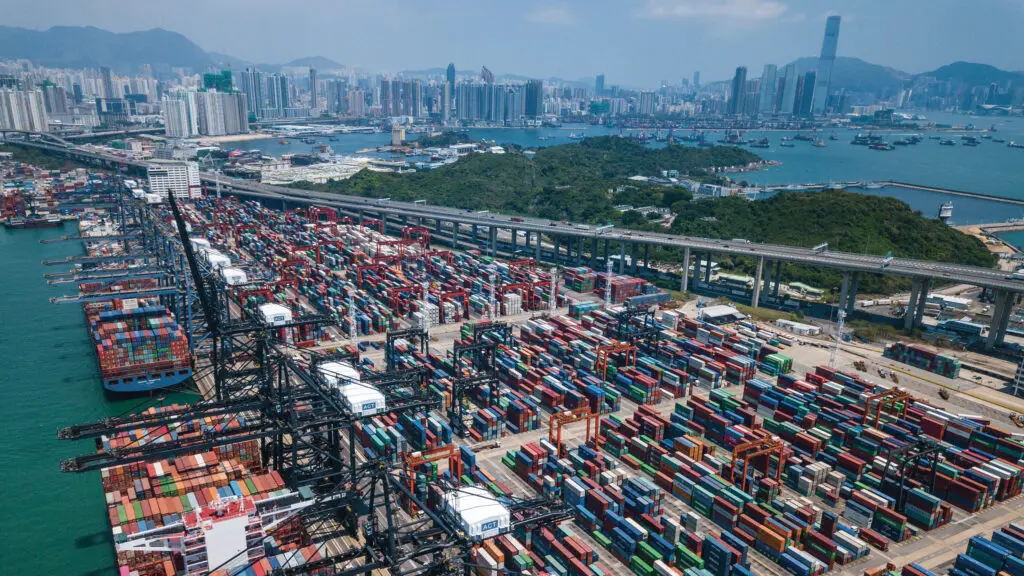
(450, 78)
(805, 94)
(108, 82)
(534, 106)
(788, 101)
(599, 85)
(738, 91)
(314, 100)
(696, 80)
(487, 75)
(825, 63)
(23, 110)
(252, 86)
(768, 87)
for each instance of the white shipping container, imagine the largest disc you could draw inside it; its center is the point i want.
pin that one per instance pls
(275, 314)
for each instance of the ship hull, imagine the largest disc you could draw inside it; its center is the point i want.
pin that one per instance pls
(146, 382)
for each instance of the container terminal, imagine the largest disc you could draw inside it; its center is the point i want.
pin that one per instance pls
(374, 403)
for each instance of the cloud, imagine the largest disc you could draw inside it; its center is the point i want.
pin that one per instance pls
(552, 15)
(729, 11)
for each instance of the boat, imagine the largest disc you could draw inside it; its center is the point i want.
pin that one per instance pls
(819, 144)
(1012, 144)
(902, 142)
(804, 137)
(787, 138)
(574, 136)
(787, 144)
(946, 211)
(282, 141)
(833, 136)
(935, 137)
(947, 142)
(761, 143)
(33, 221)
(882, 146)
(873, 186)
(332, 139)
(308, 141)
(998, 140)
(140, 349)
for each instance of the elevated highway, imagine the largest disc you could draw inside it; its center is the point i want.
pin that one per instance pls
(583, 244)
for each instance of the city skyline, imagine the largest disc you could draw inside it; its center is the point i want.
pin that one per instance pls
(599, 37)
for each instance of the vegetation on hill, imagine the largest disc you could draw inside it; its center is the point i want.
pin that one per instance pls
(848, 221)
(583, 182)
(442, 140)
(89, 47)
(39, 158)
(580, 182)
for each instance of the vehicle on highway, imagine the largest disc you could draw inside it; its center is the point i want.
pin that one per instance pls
(516, 219)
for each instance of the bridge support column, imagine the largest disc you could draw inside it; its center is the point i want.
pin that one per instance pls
(622, 257)
(579, 251)
(1000, 310)
(607, 251)
(844, 291)
(492, 240)
(1011, 299)
(475, 231)
(766, 286)
(908, 316)
(515, 240)
(633, 259)
(756, 299)
(554, 240)
(922, 299)
(851, 299)
(684, 275)
(455, 236)
(594, 249)
(778, 279)
(707, 270)
(536, 248)
(405, 220)
(647, 257)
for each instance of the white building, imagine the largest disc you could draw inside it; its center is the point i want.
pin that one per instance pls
(190, 113)
(23, 110)
(173, 177)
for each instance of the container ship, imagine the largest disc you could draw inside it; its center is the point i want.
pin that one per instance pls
(138, 349)
(33, 221)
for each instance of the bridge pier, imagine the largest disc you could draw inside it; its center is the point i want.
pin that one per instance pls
(756, 298)
(515, 241)
(908, 316)
(647, 257)
(778, 278)
(536, 248)
(684, 276)
(555, 242)
(594, 249)
(922, 299)
(633, 259)
(844, 291)
(579, 251)
(492, 240)
(622, 257)
(1000, 317)
(851, 298)
(707, 269)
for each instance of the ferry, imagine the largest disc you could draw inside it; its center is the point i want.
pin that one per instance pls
(946, 211)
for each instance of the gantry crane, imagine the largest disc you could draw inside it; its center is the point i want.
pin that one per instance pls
(560, 419)
(894, 398)
(604, 352)
(748, 451)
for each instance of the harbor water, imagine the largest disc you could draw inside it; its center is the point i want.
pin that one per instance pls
(53, 522)
(990, 168)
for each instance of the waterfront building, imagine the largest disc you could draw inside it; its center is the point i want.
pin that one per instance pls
(252, 87)
(787, 103)
(168, 177)
(768, 88)
(805, 94)
(738, 91)
(825, 63)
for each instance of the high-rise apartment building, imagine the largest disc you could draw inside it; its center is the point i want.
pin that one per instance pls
(768, 86)
(190, 113)
(23, 110)
(788, 101)
(534, 106)
(696, 80)
(252, 87)
(56, 99)
(168, 177)
(825, 63)
(599, 85)
(805, 94)
(107, 77)
(314, 95)
(738, 91)
(645, 104)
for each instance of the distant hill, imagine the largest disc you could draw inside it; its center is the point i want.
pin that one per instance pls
(856, 75)
(86, 46)
(972, 74)
(314, 62)
(228, 61)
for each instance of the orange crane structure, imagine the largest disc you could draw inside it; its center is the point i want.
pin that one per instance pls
(559, 419)
(416, 459)
(894, 399)
(603, 352)
(748, 451)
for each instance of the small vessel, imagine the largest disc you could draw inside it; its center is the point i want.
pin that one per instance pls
(935, 137)
(819, 144)
(946, 211)
(574, 136)
(308, 141)
(947, 142)
(804, 137)
(333, 139)
(787, 144)
(761, 143)
(282, 141)
(833, 136)
(1012, 144)
(902, 142)
(787, 138)
(873, 186)
(882, 146)
(33, 221)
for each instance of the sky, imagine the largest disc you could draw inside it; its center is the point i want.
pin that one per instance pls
(635, 43)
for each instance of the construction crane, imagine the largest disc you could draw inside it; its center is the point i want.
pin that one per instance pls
(894, 398)
(750, 451)
(560, 419)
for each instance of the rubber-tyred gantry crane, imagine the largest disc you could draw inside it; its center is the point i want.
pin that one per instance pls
(748, 452)
(560, 419)
(894, 399)
(604, 352)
